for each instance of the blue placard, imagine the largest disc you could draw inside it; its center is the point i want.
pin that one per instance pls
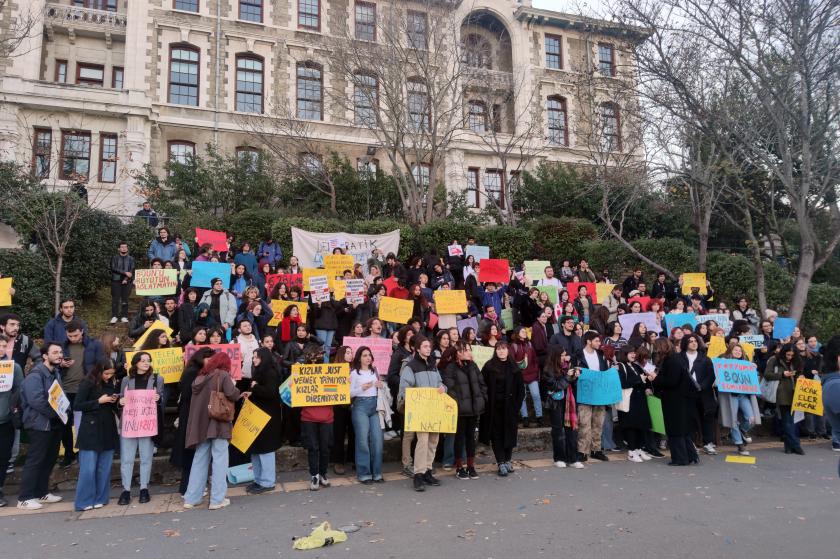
(286, 392)
(203, 272)
(736, 376)
(599, 388)
(783, 327)
(478, 252)
(678, 320)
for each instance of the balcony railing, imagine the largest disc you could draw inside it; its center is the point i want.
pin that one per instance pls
(492, 79)
(85, 18)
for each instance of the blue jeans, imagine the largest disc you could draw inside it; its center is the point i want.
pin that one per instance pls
(198, 474)
(790, 431)
(94, 478)
(742, 403)
(815, 424)
(607, 442)
(128, 449)
(265, 474)
(326, 336)
(368, 438)
(534, 388)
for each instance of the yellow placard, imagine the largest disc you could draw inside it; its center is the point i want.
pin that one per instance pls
(482, 354)
(603, 291)
(339, 289)
(156, 325)
(451, 301)
(307, 273)
(535, 269)
(429, 411)
(694, 280)
(7, 375)
(167, 362)
(5, 296)
(717, 347)
(395, 310)
(807, 396)
(248, 425)
(320, 384)
(155, 282)
(337, 263)
(741, 459)
(749, 350)
(278, 307)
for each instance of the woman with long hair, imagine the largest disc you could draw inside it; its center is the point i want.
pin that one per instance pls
(343, 447)
(635, 421)
(505, 393)
(561, 380)
(265, 385)
(181, 455)
(732, 405)
(523, 354)
(157, 339)
(678, 394)
(112, 346)
(365, 385)
(786, 367)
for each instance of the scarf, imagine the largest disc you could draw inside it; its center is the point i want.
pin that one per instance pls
(570, 414)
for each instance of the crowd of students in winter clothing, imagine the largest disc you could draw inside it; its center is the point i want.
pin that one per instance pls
(532, 375)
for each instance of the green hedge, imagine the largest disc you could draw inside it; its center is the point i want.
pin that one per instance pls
(557, 239)
(512, 243)
(33, 299)
(251, 225)
(440, 234)
(281, 229)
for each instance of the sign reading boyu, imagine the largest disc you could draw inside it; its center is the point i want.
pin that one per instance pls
(320, 384)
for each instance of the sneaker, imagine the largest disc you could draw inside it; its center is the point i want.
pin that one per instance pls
(3, 501)
(600, 456)
(30, 504)
(388, 435)
(323, 481)
(577, 465)
(98, 505)
(633, 456)
(418, 482)
(461, 473)
(408, 471)
(251, 486)
(710, 449)
(144, 496)
(125, 498)
(448, 467)
(124, 320)
(11, 469)
(430, 479)
(798, 450)
(471, 472)
(49, 498)
(188, 506)
(561, 464)
(258, 489)
(582, 457)
(509, 467)
(742, 450)
(835, 447)
(114, 320)
(314, 483)
(654, 453)
(503, 470)
(747, 439)
(218, 506)
(644, 455)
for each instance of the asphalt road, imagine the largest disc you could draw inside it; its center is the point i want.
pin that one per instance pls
(784, 506)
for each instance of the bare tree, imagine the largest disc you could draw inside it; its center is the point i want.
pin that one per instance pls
(15, 29)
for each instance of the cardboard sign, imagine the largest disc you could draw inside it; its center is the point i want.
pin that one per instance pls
(694, 280)
(155, 282)
(7, 375)
(479, 252)
(429, 411)
(722, 320)
(291, 280)
(278, 307)
(381, 348)
(464, 323)
(5, 296)
(552, 292)
(319, 289)
(749, 350)
(58, 401)
(507, 319)
(494, 270)
(251, 421)
(716, 347)
(644, 301)
(657, 420)
(678, 320)
(535, 269)
(573, 286)
(482, 354)
(139, 415)
(204, 272)
(395, 310)
(756, 340)
(736, 376)
(233, 351)
(218, 239)
(335, 264)
(628, 321)
(807, 397)
(354, 291)
(603, 291)
(783, 327)
(599, 388)
(167, 362)
(446, 321)
(455, 250)
(320, 384)
(156, 325)
(450, 301)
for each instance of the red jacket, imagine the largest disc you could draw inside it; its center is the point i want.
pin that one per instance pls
(521, 350)
(317, 414)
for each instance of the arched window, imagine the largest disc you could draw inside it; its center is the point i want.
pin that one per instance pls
(183, 75)
(181, 151)
(310, 92)
(477, 51)
(477, 117)
(419, 109)
(249, 83)
(558, 130)
(365, 99)
(610, 127)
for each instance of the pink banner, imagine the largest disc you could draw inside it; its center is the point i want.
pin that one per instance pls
(233, 351)
(381, 348)
(139, 416)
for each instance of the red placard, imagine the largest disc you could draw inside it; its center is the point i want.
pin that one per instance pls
(390, 283)
(291, 280)
(645, 301)
(218, 239)
(496, 270)
(572, 288)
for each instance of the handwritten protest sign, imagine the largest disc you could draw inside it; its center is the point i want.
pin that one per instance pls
(319, 289)
(599, 388)
(657, 420)
(156, 325)
(290, 280)
(339, 288)
(783, 327)
(7, 375)
(481, 355)
(455, 250)
(233, 351)
(603, 290)
(464, 323)
(381, 348)
(167, 362)
(251, 421)
(278, 307)
(155, 282)
(395, 310)
(139, 416)
(694, 280)
(354, 291)
(737, 376)
(447, 321)
(494, 270)
(551, 290)
(573, 286)
(450, 301)
(204, 272)
(429, 411)
(807, 397)
(749, 350)
(58, 401)
(218, 239)
(336, 264)
(678, 320)
(722, 320)
(717, 346)
(628, 321)
(507, 319)
(535, 269)
(320, 384)
(479, 252)
(5, 296)
(756, 340)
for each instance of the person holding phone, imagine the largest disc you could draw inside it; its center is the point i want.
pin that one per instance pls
(98, 438)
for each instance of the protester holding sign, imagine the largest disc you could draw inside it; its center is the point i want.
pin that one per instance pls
(814, 424)
(634, 418)
(732, 404)
(786, 367)
(11, 379)
(316, 423)
(221, 302)
(181, 455)
(591, 417)
(365, 385)
(505, 392)
(465, 384)
(265, 384)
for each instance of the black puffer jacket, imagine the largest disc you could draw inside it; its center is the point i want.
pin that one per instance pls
(466, 385)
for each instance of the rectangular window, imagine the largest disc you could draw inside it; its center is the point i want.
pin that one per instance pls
(107, 5)
(473, 200)
(514, 182)
(367, 165)
(419, 111)
(309, 14)
(107, 158)
(606, 59)
(365, 21)
(181, 152)
(75, 155)
(477, 121)
(251, 10)
(493, 186)
(186, 5)
(417, 30)
(495, 118)
(183, 75)
(310, 101)
(311, 163)
(249, 84)
(365, 100)
(557, 128)
(611, 127)
(90, 74)
(248, 157)
(61, 71)
(553, 52)
(117, 78)
(41, 152)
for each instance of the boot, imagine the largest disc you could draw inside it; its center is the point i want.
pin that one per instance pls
(418, 482)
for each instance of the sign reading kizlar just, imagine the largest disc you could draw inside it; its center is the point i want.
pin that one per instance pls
(320, 384)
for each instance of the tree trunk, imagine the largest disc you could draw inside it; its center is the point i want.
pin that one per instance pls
(57, 293)
(758, 265)
(703, 250)
(804, 278)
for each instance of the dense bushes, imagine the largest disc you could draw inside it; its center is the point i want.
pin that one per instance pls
(556, 239)
(33, 299)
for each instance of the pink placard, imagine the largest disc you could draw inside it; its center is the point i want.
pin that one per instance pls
(381, 348)
(216, 238)
(233, 351)
(139, 416)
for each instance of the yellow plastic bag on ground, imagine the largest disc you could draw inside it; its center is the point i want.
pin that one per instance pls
(321, 536)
